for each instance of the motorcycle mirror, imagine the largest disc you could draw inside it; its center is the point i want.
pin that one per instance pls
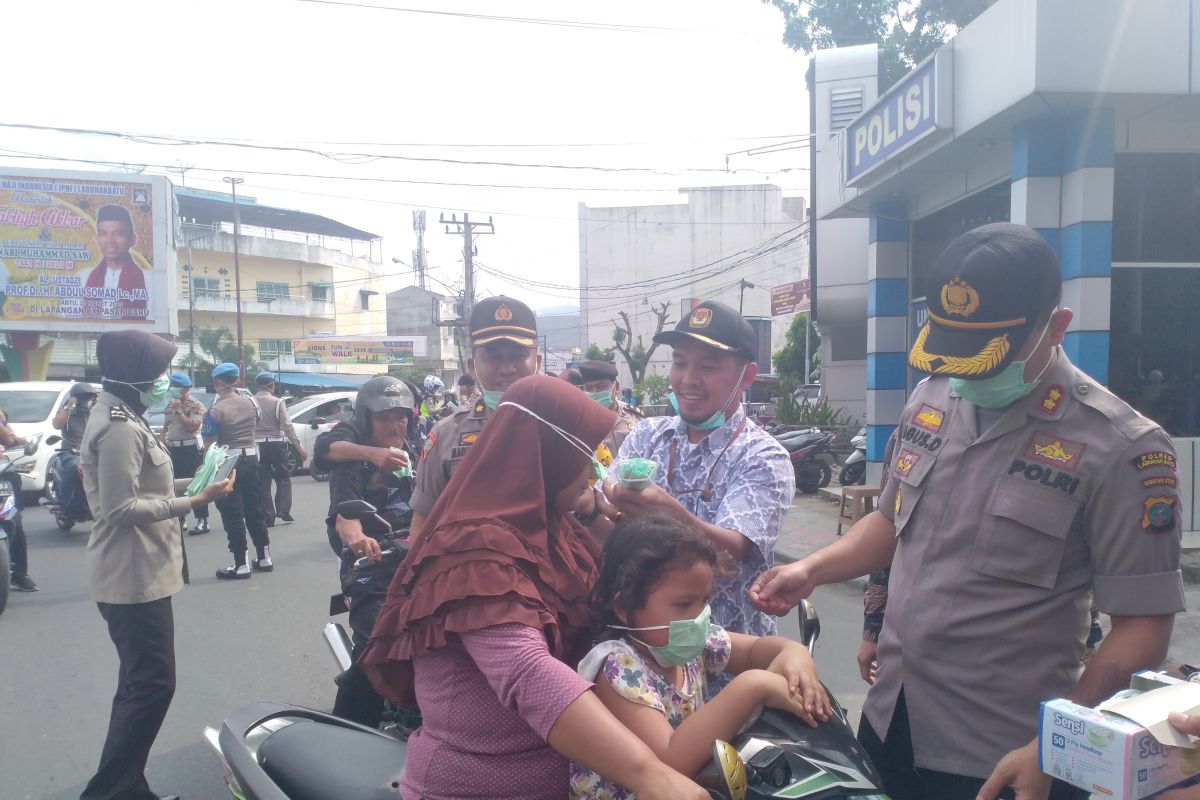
(810, 624)
(318, 422)
(352, 509)
(732, 767)
(55, 439)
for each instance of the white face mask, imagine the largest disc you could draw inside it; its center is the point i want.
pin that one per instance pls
(571, 438)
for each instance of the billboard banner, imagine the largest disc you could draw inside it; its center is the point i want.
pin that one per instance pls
(354, 351)
(86, 252)
(790, 297)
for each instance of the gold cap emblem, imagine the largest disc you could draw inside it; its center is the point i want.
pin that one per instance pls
(503, 313)
(700, 318)
(959, 298)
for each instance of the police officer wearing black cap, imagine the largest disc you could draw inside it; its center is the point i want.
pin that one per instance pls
(599, 381)
(1019, 488)
(503, 350)
(231, 423)
(717, 470)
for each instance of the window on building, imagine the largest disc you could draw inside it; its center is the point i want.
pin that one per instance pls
(931, 234)
(1156, 202)
(845, 104)
(206, 287)
(273, 348)
(364, 300)
(1154, 345)
(271, 291)
(320, 292)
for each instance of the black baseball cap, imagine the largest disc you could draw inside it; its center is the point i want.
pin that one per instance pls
(717, 326)
(502, 318)
(596, 370)
(985, 293)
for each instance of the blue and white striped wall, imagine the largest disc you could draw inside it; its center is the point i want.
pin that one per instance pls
(1062, 185)
(887, 324)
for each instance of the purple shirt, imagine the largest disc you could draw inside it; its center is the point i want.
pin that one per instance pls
(488, 701)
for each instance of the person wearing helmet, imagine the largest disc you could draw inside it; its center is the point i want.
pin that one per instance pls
(431, 400)
(231, 423)
(72, 420)
(182, 418)
(367, 460)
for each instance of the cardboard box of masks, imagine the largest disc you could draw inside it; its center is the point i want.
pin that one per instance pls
(1124, 749)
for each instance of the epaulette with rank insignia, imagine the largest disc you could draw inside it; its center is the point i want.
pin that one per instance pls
(118, 413)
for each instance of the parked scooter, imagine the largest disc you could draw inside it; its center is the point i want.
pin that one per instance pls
(78, 510)
(812, 457)
(10, 508)
(854, 470)
(272, 751)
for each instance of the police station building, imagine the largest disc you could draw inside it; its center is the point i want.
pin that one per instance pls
(1081, 120)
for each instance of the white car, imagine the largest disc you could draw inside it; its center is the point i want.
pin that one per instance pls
(30, 407)
(314, 414)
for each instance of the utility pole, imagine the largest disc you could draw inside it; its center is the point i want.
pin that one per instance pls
(468, 230)
(744, 284)
(418, 256)
(237, 273)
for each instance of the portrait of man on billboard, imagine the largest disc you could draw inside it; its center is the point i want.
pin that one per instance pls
(116, 270)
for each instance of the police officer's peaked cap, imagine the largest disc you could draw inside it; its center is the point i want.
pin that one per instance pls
(180, 380)
(597, 371)
(503, 318)
(716, 325)
(986, 293)
(226, 369)
(263, 378)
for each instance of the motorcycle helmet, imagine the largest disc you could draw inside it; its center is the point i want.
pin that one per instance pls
(433, 384)
(81, 389)
(381, 394)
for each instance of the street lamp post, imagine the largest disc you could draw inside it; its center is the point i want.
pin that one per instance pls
(237, 271)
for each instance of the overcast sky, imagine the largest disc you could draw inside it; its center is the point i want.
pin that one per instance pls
(667, 85)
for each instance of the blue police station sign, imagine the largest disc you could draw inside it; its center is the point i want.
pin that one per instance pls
(909, 112)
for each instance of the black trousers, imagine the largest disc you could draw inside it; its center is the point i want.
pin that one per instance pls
(144, 635)
(903, 780)
(185, 460)
(18, 552)
(241, 509)
(272, 465)
(356, 698)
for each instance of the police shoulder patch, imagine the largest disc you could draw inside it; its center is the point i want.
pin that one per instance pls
(118, 413)
(1158, 513)
(1155, 458)
(480, 407)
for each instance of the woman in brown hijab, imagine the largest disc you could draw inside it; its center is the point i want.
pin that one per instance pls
(489, 613)
(135, 552)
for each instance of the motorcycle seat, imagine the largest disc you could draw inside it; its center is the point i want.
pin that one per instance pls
(800, 442)
(312, 761)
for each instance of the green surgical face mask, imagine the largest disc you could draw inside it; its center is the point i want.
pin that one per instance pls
(604, 398)
(717, 419)
(156, 393)
(685, 640)
(1003, 389)
(175, 393)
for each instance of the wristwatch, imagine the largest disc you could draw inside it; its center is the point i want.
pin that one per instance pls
(587, 519)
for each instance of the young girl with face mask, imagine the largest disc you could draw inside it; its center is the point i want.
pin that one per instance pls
(659, 649)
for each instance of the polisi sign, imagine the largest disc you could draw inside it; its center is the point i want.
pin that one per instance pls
(914, 108)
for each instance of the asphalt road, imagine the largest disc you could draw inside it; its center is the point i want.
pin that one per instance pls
(235, 643)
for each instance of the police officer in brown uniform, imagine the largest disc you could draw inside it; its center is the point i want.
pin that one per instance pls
(182, 419)
(503, 350)
(231, 423)
(600, 383)
(272, 434)
(1019, 486)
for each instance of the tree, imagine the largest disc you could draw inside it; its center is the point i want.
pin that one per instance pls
(789, 360)
(597, 353)
(220, 345)
(636, 355)
(906, 32)
(653, 389)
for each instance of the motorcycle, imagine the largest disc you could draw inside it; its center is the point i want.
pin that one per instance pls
(78, 510)
(10, 509)
(854, 469)
(812, 457)
(273, 751)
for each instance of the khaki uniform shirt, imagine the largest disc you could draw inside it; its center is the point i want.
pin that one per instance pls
(232, 420)
(135, 551)
(1002, 536)
(445, 448)
(627, 419)
(274, 422)
(176, 411)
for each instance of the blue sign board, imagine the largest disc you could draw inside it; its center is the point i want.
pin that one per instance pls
(911, 110)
